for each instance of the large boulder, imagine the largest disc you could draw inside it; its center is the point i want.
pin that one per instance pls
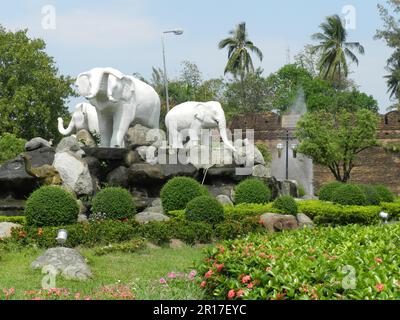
(304, 221)
(37, 143)
(148, 154)
(261, 171)
(224, 200)
(67, 262)
(84, 137)
(137, 136)
(15, 182)
(278, 222)
(6, 228)
(118, 177)
(74, 173)
(150, 216)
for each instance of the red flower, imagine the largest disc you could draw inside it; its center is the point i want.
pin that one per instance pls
(240, 293)
(209, 274)
(231, 294)
(40, 232)
(250, 285)
(380, 287)
(220, 267)
(246, 279)
(378, 260)
(22, 234)
(261, 222)
(203, 284)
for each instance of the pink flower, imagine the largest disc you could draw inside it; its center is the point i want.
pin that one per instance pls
(246, 279)
(203, 284)
(380, 287)
(172, 275)
(250, 285)
(378, 260)
(163, 281)
(231, 294)
(220, 267)
(240, 293)
(209, 274)
(77, 295)
(192, 274)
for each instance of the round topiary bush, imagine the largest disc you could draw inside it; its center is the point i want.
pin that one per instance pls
(205, 209)
(372, 196)
(51, 206)
(349, 194)
(286, 205)
(384, 193)
(326, 192)
(252, 191)
(114, 203)
(177, 192)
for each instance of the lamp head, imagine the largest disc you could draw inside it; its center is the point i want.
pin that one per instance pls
(62, 236)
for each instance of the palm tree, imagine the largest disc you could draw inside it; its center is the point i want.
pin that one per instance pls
(239, 58)
(334, 49)
(393, 79)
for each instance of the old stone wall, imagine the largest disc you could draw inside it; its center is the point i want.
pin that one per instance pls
(374, 166)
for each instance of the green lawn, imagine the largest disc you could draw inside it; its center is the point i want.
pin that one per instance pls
(122, 274)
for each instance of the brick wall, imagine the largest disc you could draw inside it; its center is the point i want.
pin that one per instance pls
(374, 166)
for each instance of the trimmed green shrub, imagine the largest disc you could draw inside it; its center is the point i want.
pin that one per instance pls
(286, 205)
(51, 206)
(114, 203)
(384, 193)
(393, 208)
(252, 191)
(18, 219)
(326, 192)
(177, 192)
(10, 146)
(205, 209)
(372, 196)
(349, 194)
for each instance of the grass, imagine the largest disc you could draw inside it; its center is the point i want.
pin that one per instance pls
(114, 276)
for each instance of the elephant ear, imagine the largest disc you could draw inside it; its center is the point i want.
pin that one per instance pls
(83, 85)
(200, 111)
(125, 90)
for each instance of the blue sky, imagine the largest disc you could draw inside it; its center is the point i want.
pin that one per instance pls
(127, 34)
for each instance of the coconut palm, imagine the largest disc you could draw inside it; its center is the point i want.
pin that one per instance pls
(239, 48)
(334, 49)
(393, 79)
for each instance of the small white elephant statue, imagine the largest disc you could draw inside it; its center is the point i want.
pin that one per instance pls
(120, 100)
(193, 117)
(84, 117)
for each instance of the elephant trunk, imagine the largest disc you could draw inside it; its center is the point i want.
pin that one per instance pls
(65, 132)
(222, 131)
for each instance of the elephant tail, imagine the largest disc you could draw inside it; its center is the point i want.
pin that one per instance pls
(65, 132)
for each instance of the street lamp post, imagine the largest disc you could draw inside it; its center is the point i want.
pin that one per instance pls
(280, 147)
(176, 32)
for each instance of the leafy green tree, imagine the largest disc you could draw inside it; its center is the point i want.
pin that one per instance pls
(10, 146)
(393, 80)
(334, 50)
(239, 47)
(32, 93)
(336, 140)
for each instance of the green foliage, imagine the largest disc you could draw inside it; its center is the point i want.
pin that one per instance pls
(327, 191)
(266, 153)
(335, 140)
(115, 203)
(177, 192)
(10, 146)
(32, 93)
(301, 191)
(252, 191)
(267, 267)
(51, 206)
(393, 208)
(131, 246)
(237, 227)
(349, 194)
(286, 205)
(205, 209)
(18, 219)
(385, 194)
(371, 194)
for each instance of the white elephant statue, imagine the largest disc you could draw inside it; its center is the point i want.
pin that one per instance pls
(84, 117)
(193, 117)
(120, 101)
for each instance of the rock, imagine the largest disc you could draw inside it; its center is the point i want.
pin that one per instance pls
(146, 217)
(15, 182)
(66, 261)
(6, 227)
(176, 244)
(141, 199)
(74, 173)
(82, 218)
(69, 144)
(83, 136)
(278, 222)
(304, 221)
(289, 188)
(224, 200)
(148, 154)
(261, 171)
(132, 157)
(37, 143)
(222, 189)
(82, 208)
(106, 154)
(118, 177)
(247, 154)
(94, 165)
(137, 136)
(156, 203)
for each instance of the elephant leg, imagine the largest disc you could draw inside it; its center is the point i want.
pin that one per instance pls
(105, 128)
(122, 120)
